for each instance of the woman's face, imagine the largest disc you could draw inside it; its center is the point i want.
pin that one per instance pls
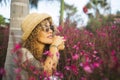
(46, 34)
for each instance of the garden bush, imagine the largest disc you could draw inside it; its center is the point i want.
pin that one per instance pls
(4, 31)
(87, 55)
(90, 56)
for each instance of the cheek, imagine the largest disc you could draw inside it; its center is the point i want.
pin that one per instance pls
(44, 39)
(41, 36)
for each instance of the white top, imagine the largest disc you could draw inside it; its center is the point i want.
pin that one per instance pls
(26, 54)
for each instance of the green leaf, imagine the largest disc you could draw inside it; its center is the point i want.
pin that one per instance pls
(88, 5)
(2, 20)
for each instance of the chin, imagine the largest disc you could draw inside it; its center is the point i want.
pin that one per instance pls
(49, 42)
(46, 41)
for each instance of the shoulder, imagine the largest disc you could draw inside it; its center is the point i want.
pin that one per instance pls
(24, 50)
(26, 54)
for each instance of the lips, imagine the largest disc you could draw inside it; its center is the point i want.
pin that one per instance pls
(50, 36)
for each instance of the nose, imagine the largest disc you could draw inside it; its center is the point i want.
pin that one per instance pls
(50, 30)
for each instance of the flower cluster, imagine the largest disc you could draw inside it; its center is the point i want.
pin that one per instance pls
(87, 55)
(91, 56)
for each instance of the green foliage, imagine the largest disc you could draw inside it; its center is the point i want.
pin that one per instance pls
(61, 12)
(95, 23)
(71, 15)
(96, 5)
(4, 2)
(97, 20)
(34, 3)
(118, 12)
(70, 10)
(2, 20)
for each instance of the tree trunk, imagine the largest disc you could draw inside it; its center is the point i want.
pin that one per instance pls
(61, 13)
(19, 9)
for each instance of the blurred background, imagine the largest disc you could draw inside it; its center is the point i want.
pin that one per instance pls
(93, 48)
(53, 8)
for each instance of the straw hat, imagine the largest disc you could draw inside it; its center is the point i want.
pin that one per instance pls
(30, 22)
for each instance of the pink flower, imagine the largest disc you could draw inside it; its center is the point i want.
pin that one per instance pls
(17, 70)
(46, 78)
(59, 74)
(67, 67)
(18, 77)
(65, 37)
(113, 53)
(76, 47)
(48, 53)
(68, 60)
(45, 73)
(94, 56)
(105, 79)
(51, 55)
(85, 9)
(87, 69)
(32, 68)
(96, 65)
(16, 47)
(60, 28)
(103, 34)
(58, 55)
(115, 59)
(113, 56)
(87, 58)
(83, 78)
(36, 72)
(95, 52)
(2, 71)
(75, 57)
(114, 27)
(74, 69)
(81, 64)
(82, 53)
(90, 44)
(32, 78)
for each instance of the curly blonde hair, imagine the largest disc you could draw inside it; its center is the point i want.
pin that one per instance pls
(30, 42)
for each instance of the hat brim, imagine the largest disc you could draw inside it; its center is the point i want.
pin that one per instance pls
(30, 22)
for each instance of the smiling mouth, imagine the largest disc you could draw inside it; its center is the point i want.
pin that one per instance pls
(50, 36)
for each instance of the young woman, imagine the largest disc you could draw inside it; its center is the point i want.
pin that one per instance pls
(39, 39)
